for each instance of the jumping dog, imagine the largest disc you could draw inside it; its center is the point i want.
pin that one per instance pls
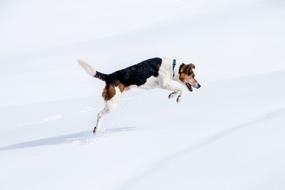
(168, 74)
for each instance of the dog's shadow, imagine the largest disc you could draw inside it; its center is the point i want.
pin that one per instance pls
(76, 138)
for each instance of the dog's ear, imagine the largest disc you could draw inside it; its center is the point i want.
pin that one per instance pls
(182, 68)
(192, 66)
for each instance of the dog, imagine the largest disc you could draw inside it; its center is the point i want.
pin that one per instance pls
(168, 74)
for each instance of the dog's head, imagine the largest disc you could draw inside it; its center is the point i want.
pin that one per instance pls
(187, 76)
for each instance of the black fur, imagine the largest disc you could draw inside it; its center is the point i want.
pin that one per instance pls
(134, 75)
(101, 76)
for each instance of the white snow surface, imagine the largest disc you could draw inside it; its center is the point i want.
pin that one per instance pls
(229, 134)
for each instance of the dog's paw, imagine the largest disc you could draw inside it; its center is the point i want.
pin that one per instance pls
(171, 95)
(94, 130)
(178, 99)
(98, 130)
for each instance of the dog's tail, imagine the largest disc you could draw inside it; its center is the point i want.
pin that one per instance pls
(92, 71)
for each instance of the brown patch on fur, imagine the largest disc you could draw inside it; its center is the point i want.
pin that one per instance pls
(122, 87)
(182, 68)
(183, 77)
(186, 68)
(186, 73)
(109, 92)
(192, 66)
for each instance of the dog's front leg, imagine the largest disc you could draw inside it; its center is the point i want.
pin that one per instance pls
(172, 94)
(173, 86)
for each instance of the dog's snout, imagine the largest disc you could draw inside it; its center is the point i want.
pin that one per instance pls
(198, 86)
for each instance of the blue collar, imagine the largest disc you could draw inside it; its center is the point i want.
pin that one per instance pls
(173, 66)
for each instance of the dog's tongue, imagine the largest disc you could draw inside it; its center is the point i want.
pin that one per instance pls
(189, 87)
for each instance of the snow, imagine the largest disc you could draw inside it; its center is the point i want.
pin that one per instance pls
(229, 134)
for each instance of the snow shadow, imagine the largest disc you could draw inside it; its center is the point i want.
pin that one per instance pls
(76, 138)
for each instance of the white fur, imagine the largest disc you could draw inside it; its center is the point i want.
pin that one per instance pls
(150, 83)
(109, 106)
(88, 68)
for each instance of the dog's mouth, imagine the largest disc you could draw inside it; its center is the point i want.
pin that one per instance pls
(189, 86)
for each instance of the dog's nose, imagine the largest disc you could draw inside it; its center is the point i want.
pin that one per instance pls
(198, 85)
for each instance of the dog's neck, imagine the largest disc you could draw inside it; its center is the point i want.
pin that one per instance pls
(176, 70)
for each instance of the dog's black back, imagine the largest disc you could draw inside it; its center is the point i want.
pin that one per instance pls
(136, 74)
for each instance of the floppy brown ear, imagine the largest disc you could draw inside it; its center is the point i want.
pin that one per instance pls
(192, 66)
(182, 68)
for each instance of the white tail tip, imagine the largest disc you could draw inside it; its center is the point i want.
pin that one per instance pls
(88, 68)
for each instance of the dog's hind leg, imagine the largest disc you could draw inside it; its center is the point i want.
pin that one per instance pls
(99, 116)
(110, 105)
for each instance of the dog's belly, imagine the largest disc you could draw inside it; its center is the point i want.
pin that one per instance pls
(151, 82)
